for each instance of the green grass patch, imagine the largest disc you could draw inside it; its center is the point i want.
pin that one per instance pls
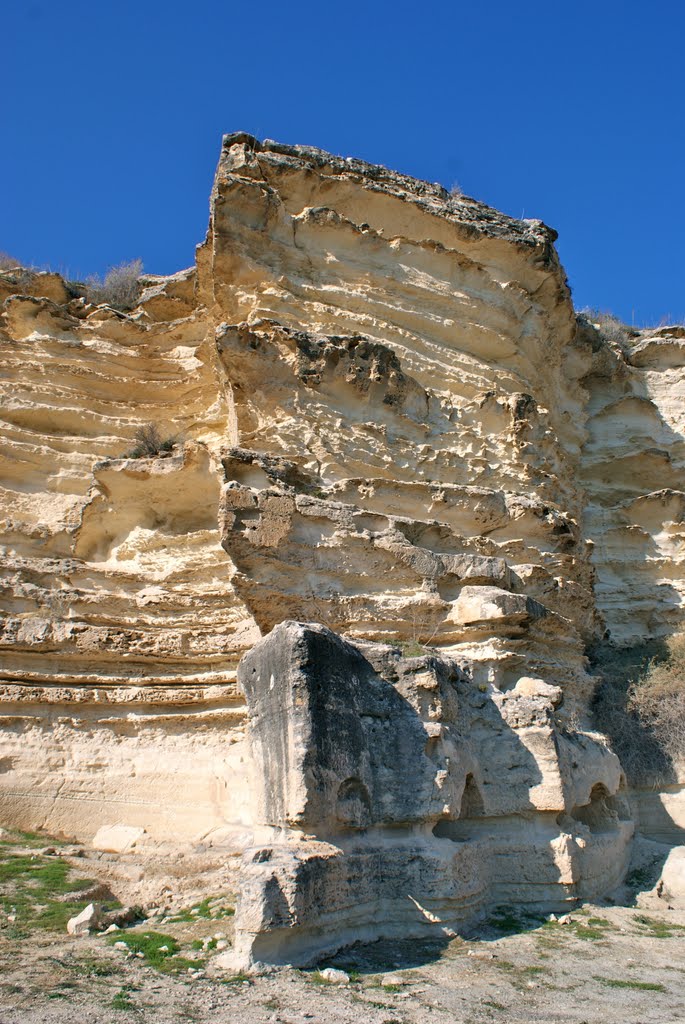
(503, 919)
(640, 986)
(159, 951)
(202, 911)
(582, 931)
(32, 885)
(657, 928)
(155, 946)
(595, 929)
(122, 1001)
(41, 876)
(411, 648)
(236, 979)
(198, 944)
(551, 933)
(33, 839)
(601, 922)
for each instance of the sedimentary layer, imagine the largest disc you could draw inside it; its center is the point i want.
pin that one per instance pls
(380, 414)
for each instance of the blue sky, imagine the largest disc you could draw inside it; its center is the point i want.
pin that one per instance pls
(571, 112)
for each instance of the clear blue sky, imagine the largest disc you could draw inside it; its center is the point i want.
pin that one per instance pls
(571, 112)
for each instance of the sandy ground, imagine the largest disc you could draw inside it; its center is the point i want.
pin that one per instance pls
(608, 964)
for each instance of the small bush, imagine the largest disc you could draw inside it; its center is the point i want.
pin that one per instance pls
(658, 699)
(456, 191)
(8, 262)
(150, 443)
(19, 275)
(640, 705)
(611, 328)
(120, 287)
(411, 648)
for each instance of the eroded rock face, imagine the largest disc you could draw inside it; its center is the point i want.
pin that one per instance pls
(388, 421)
(121, 632)
(381, 778)
(633, 469)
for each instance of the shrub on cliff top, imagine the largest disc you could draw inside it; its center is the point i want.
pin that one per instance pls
(119, 288)
(8, 262)
(610, 327)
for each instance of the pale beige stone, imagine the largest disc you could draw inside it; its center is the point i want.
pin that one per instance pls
(671, 885)
(88, 920)
(389, 421)
(117, 838)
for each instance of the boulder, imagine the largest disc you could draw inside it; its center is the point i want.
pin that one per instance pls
(90, 919)
(671, 884)
(117, 838)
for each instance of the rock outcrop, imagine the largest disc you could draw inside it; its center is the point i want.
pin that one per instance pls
(381, 779)
(383, 416)
(633, 471)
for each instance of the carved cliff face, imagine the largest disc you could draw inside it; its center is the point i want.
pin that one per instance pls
(388, 421)
(404, 801)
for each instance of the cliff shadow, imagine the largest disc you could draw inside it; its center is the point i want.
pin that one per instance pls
(643, 751)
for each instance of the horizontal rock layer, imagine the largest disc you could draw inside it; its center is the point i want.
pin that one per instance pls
(387, 420)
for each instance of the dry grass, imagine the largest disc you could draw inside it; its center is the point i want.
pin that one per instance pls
(640, 705)
(658, 698)
(8, 262)
(120, 287)
(611, 328)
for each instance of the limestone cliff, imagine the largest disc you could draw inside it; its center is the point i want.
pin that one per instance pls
(388, 421)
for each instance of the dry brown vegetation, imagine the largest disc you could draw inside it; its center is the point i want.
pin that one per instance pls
(640, 704)
(8, 262)
(119, 288)
(149, 443)
(658, 699)
(611, 328)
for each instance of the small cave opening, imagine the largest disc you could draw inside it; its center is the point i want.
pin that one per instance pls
(471, 807)
(603, 812)
(471, 800)
(353, 807)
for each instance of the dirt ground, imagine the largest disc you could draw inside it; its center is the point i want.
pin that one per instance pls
(607, 964)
